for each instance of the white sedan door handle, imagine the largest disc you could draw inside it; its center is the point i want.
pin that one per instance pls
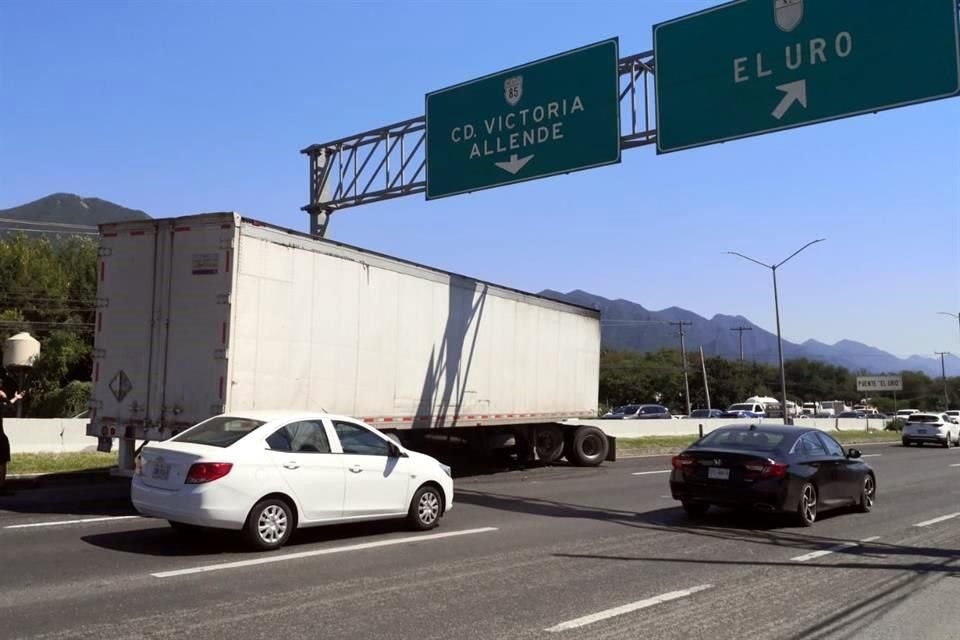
(291, 465)
(355, 469)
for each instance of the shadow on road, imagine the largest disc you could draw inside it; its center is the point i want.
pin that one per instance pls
(106, 499)
(164, 541)
(739, 526)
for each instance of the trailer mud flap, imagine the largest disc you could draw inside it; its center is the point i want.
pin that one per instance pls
(104, 445)
(611, 449)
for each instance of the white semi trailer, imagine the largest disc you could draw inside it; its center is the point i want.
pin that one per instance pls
(215, 313)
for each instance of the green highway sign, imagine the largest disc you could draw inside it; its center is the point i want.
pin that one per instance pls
(555, 115)
(755, 66)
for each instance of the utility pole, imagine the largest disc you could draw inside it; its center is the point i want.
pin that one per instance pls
(683, 354)
(740, 330)
(706, 384)
(943, 373)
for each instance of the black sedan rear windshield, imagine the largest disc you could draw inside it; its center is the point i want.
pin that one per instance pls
(222, 431)
(742, 439)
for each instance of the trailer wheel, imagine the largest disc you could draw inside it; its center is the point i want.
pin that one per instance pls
(548, 442)
(588, 448)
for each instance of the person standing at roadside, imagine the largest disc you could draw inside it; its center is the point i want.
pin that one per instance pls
(4, 441)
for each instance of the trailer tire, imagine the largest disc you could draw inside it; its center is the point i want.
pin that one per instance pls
(548, 443)
(588, 447)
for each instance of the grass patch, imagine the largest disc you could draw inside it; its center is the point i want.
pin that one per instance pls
(865, 436)
(59, 462)
(672, 444)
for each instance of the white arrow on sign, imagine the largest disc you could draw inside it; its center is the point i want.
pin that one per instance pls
(514, 165)
(794, 92)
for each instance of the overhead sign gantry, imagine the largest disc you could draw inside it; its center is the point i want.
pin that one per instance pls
(740, 69)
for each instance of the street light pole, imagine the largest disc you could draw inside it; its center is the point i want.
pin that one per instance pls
(776, 306)
(783, 373)
(952, 315)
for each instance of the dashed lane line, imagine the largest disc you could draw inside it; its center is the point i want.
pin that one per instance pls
(606, 614)
(60, 523)
(840, 547)
(927, 523)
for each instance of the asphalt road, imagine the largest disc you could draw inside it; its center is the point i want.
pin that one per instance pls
(546, 553)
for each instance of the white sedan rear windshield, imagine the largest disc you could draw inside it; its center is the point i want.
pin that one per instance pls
(221, 431)
(923, 417)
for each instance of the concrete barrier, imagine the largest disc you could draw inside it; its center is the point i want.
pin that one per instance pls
(685, 427)
(30, 435)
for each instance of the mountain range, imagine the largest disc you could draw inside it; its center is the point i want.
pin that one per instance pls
(629, 326)
(625, 325)
(62, 214)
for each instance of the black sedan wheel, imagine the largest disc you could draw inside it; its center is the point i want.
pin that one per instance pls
(807, 507)
(868, 494)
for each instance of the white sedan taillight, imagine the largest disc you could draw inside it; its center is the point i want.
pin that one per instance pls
(201, 472)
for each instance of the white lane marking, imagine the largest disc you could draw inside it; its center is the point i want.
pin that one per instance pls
(649, 473)
(927, 523)
(871, 455)
(65, 522)
(627, 608)
(955, 465)
(839, 547)
(319, 552)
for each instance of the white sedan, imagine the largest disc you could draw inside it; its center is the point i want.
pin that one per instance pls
(270, 473)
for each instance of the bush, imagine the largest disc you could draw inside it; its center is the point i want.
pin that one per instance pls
(65, 402)
(896, 424)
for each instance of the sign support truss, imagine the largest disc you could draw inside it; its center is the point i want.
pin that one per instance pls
(390, 162)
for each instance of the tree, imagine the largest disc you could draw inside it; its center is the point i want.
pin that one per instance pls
(49, 290)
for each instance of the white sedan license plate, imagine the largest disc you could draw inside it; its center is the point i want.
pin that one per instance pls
(921, 431)
(161, 470)
(718, 473)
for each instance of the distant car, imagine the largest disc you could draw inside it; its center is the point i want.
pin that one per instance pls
(270, 473)
(771, 468)
(742, 413)
(937, 428)
(625, 412)
(745, 410)
(706, 413)
(906, 413)
(953, 414)
(638, 412)
(851, 414)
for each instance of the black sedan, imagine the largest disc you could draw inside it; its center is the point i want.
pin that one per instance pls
(771, 468)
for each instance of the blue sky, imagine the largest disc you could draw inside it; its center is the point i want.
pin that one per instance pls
(183, 107)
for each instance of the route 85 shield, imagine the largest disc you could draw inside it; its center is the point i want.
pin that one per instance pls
(787, 14)
(513, 90)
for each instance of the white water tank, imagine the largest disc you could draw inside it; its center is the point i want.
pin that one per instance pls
(20, 350)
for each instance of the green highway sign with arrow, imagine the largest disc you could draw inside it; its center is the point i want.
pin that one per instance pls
(756, 66)
(552, 116)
